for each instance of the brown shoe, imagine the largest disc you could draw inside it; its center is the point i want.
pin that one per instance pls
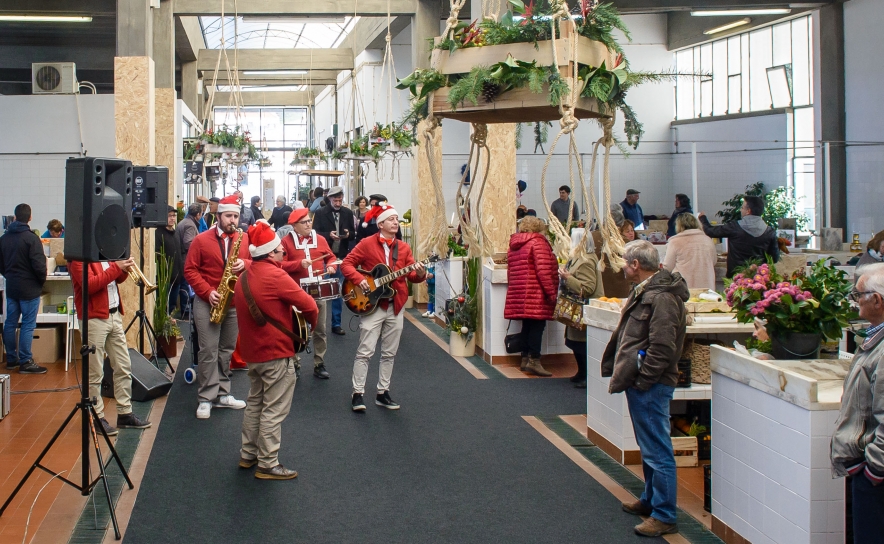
(247, 463)
(278, 472)
(653, 527)
(536, 368)
(636, 508)
(524, 364)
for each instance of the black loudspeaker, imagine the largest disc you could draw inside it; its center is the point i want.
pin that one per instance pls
(148, 382)
(150, 197)
(98, 204)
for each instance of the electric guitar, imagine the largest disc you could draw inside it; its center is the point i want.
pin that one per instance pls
(365, 302)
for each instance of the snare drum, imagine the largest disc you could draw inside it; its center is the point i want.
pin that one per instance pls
(321, 288)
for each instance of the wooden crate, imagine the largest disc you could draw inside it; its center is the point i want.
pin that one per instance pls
(685, 448)
(517, 105)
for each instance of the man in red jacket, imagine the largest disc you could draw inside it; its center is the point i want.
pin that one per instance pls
(302, 247)
(273, 363)
(106, 334)
(203, 271)
(386, 321)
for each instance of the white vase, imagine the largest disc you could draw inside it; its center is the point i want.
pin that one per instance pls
(459, 347)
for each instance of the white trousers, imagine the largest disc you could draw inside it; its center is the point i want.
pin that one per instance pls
(386, 326)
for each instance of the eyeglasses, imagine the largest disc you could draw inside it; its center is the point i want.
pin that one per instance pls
(278, 251)
(856, 295)
(304, 222)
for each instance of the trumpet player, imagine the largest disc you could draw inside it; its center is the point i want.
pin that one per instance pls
(210, 259)
(106, 334)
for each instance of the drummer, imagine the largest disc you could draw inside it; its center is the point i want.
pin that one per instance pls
(307, 256)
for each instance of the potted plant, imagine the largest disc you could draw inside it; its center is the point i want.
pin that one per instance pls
(800, 312)
(165, 327)
(779, 203)
(463, 315)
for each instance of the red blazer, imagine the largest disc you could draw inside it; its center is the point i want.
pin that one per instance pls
(533, 275)
(370, 252)
(205, 261)
(99, 279)
(294, 256)
(275, 292)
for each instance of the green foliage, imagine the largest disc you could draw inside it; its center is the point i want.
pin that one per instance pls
(470, 86)
(779, 203)
(764, 346)
(598, 23)
(163, 323)
(455, 249)
(696, 429)
(463, 311)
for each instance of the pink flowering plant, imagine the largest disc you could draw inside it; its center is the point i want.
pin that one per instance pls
(816, 303)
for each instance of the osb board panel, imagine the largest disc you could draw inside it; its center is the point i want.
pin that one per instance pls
(423, 204)
(515, 106)
(134, 115)
(461, 61)
(164, 104)
(134, 109)
(498, 206)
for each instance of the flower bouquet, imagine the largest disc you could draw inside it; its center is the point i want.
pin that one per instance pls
(799, 311)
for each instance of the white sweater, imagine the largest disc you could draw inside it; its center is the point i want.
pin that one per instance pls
(692, 254)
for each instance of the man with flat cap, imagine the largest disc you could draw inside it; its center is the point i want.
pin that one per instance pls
(631, 209)
(334, 222)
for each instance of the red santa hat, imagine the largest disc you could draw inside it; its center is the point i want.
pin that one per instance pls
(297, 215)
(262, 239)
(379, 212)
(229, 203)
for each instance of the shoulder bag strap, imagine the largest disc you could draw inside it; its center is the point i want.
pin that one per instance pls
(258, 316)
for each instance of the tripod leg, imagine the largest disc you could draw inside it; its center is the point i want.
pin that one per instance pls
(39, 458)
(110, 446)
(103, 473)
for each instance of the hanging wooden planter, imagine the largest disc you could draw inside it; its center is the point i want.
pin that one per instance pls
(518, 105)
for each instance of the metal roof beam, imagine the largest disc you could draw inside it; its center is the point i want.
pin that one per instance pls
(280, 59)
(295, 8)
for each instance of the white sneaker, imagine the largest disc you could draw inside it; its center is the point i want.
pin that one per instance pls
(228, 401)
(204, 410)
(427, 314)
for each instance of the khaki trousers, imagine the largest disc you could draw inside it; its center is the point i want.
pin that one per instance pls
(216, 345)
(108, 338)
(269, 402)
(387, 326)
(320, 337)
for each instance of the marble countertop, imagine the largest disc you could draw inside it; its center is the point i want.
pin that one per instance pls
(602, 318)
(812, 384)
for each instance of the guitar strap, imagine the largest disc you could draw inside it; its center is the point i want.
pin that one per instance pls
(259, 316)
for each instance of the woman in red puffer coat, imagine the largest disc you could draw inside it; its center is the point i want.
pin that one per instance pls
(533, 286)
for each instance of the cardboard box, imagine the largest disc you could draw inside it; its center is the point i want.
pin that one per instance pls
(46, 346)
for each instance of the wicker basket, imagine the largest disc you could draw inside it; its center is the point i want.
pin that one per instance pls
(700, 355)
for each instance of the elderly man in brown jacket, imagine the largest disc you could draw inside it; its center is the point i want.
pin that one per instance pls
(641, 359)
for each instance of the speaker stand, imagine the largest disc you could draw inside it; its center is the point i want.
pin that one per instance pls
(90, 423)
(156, 349)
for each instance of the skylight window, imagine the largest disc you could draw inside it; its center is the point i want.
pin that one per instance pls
(277, 33)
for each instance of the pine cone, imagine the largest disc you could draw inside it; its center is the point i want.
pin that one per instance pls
(490, 91)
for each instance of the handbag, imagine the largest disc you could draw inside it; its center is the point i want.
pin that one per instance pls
(569, 310)
(512, 342)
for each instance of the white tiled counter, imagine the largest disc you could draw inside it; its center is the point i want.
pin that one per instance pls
(608, 423)
(772, 422)
(494, 326)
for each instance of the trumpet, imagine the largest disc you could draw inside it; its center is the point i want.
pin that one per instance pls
(139, 278)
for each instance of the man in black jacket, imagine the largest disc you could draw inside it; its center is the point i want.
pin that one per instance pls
(749, 238)
(23, 264)
(277, 217)
(335, 223)
(168, 241)
(257, 213)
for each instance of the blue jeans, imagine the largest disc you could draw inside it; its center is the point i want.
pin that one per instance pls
(868, 504)
(27, 311)
(649, 411)
(337, 305)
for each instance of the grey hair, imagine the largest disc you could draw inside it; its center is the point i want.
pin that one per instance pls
(874, 275)
(281, 198)
(617, 215)
(645, 253)
(195, 209)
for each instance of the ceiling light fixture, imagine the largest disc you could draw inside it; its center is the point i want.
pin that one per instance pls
(44, 19)
(722, 28)
(735, 12)
(275, 73)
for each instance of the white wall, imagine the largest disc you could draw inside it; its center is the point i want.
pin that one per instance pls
(865, 165)
(41, 132)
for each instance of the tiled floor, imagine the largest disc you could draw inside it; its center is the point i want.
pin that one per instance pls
(559, 368)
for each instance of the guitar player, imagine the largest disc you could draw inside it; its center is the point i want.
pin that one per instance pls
(386, 322)
(272, 360)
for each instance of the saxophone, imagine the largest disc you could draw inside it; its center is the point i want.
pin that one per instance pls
(228, 282)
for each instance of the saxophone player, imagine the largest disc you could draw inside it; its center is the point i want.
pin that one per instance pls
(210, 259)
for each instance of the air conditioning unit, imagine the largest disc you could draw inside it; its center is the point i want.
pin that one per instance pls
(54, 78)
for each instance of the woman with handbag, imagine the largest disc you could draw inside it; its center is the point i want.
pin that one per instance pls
(579, 282)
(533, 285)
